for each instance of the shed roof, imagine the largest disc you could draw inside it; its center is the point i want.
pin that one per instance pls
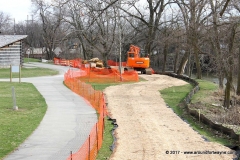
(8, 39)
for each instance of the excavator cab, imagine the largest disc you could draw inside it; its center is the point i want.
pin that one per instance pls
(135, 61)
(131, 55)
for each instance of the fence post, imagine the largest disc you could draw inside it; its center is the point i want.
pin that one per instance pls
(97, 135)
(94, 93)
(83, 89)
(99, 100)
(71, 154)
(89, 149)
(103, 109)
(103, 126)
(89, 94)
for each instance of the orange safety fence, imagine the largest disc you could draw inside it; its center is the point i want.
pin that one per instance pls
(75, 79)
(113, 63)
(98, 75)
(95, 75)
(96, 99)
(76, 63)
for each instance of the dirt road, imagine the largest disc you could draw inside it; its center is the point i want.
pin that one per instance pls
(148, 130)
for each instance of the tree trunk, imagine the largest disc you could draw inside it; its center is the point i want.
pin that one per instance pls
(220, 79)
(183, 63)
(105, 60)
(227, 97)
(84, 52)
(229, 72)
(195, 50)
(189, 66)
(148, 48)
(82, 45)
(176, 62)
(199, 70)
(238, 81)
(165, 57)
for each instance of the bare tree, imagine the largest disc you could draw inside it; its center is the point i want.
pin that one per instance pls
(76, 15)
(236, 5)
(5, 23)
(150, 20)
(194, 15)
(223, 39)
(224, 8)
(230, 63)
(104, 29)
(95, 26)
(215, 41)
(51, 17)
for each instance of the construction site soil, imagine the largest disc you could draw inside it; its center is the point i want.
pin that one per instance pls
(149, 130)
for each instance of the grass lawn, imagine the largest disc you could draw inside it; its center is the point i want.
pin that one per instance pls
(27, 72)
(174, 95)
(105, 151)
(206, 89)
(26, 60)
(16, 126)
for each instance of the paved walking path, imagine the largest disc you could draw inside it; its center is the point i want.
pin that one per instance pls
(66, 124)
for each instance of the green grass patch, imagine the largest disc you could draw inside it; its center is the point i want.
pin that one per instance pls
(16, 126)
(174, 95)
(207, 132)
(105, 151)
(26, 60)
(101, 86)
(27, 72)
(206, 89)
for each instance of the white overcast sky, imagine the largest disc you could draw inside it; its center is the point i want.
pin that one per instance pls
(18, 9)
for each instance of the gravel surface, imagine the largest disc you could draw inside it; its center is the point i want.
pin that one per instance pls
(148, 130)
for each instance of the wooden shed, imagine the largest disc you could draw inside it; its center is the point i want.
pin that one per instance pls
(11, 50)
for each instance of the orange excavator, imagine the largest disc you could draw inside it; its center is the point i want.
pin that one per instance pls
(134, 61)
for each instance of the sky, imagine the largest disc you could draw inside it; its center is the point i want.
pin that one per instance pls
(18, 9)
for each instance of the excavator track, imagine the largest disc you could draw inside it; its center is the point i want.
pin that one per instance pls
(148, 71)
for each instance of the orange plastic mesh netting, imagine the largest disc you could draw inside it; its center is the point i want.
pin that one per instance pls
(97, 75)
(113, 63)
(95, 99)
(76, 80)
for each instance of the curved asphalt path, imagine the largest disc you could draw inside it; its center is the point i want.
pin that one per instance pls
(66, 124)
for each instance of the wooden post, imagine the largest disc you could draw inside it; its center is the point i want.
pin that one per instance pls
(19, 73)
(103, 126)
(10, 73)
(14, 99)
(94, 91)
(97, 135)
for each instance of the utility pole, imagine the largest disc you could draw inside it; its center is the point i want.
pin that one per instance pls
(120, 41)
